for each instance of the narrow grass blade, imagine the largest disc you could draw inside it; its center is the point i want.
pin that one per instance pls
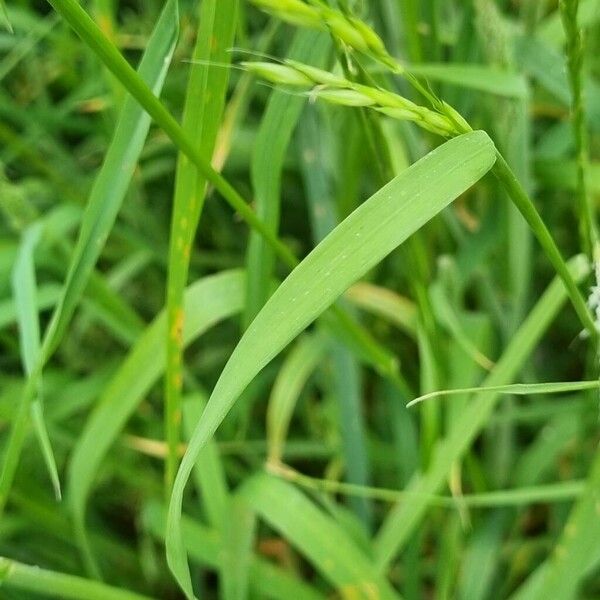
(449, 319)
(4, 16)
(105, 199)
(28, 579)
(317, 536)
(207, 302)
(370, 233)
(24, 288)
(385, 303)
(562, 174)
(236, 557)
(517, 389)
(555, 492)
(114, 178)
(209, 474)
(527, 209)
(400, 523)
(480, 558)
(347, 389)
(538, 462)
(25, 296)
(272, 141)
(297, 368)
(203, 111)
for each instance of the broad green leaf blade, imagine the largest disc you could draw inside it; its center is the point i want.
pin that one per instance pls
(517, 389)
(114, 177)
(207, 302)
(25, 295)
(317, 536)
(400, 523)
(203, 111)
(272, 141)
(369, 234)
(291, 379)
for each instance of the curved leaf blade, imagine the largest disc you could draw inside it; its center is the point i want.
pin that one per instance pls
(369, 234)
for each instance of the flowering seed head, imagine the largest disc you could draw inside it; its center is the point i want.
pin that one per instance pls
(345, 30)
(318, 76)
(292, 11)
(437, 121)
(454, 115)
(351, 31)
(373, 41)
(400, 114)
(342, 96)
(281, 74)
(384, 97)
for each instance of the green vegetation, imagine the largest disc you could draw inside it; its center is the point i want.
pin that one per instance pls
(299, 299)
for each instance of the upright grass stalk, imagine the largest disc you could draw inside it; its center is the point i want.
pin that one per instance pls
(526, 207)
(588, 228)
(88, 31)
(205, 100)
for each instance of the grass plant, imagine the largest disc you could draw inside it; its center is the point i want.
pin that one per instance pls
(356, 377)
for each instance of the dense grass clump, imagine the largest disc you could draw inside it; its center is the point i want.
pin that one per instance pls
(299, 299)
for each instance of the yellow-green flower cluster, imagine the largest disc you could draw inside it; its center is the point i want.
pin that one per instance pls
(338, 90)
(353, 32)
